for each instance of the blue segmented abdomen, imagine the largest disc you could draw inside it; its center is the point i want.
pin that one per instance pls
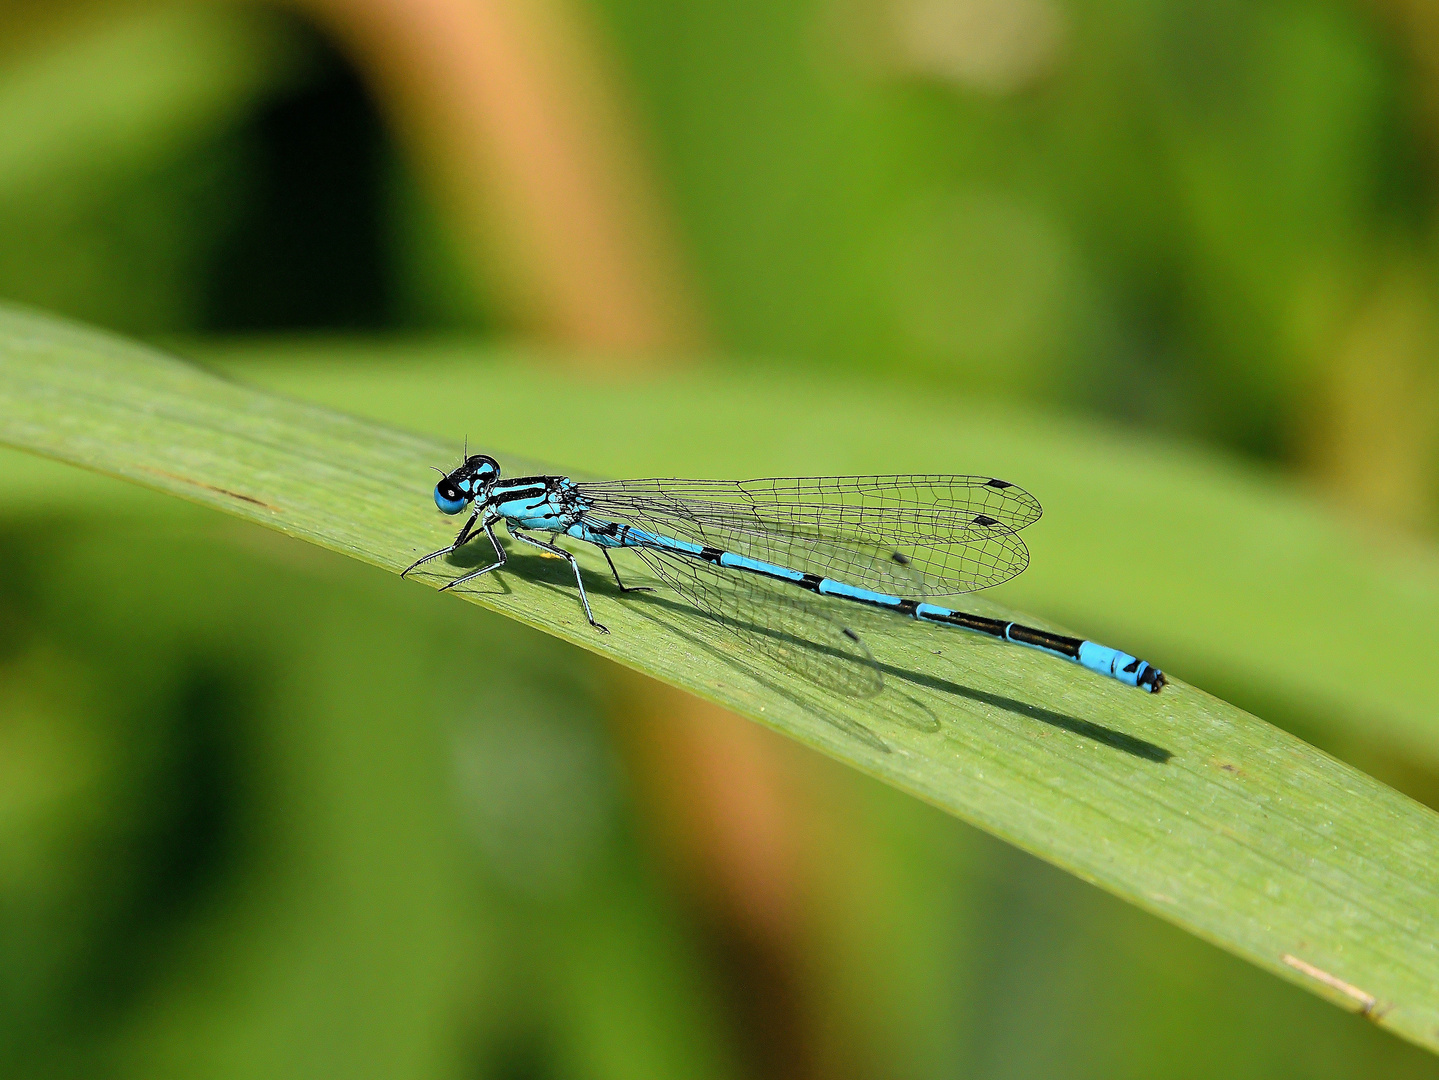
(1127, 669)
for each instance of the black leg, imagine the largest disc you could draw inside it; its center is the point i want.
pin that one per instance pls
(623, 587)
(574, 565)
(500, 558)
(465, 534)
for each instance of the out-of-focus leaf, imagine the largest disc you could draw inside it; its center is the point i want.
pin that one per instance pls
(125, 89)
(124, 157)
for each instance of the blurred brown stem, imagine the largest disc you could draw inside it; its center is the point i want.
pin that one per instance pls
(1414, 25)
(733, 810)
(1375, 444)
(509, 106)
(517, 125)
(1373, 436)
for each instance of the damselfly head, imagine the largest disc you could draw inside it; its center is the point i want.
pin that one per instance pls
(470, 481)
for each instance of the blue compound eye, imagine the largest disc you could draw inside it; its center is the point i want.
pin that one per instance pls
(449, 498)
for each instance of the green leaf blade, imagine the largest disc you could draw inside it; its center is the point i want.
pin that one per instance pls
(1179, 803)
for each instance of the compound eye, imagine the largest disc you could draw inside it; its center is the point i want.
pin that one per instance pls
(449, 498)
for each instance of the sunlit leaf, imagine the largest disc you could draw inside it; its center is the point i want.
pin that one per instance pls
(1179, 803)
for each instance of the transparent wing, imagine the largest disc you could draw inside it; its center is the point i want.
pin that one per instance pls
(915, 535)
(775, 622)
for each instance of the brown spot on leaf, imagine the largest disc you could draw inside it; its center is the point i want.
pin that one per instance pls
(211, 487)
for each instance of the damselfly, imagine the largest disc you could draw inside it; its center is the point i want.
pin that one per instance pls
(746, 552)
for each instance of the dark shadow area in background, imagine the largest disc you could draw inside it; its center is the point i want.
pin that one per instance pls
(20, 599)
(310, 248)
(190, 842)
(524, 1054)
(1087, 729)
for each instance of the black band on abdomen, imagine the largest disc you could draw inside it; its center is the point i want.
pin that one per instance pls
(1043, 639)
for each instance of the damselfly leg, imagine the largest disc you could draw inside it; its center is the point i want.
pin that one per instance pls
(574, 565)
(616, 573)
(466, 534)
(500, 557)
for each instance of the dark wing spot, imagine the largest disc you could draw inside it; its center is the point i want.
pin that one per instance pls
(985, 519)
(900, 558)
(1001, 484)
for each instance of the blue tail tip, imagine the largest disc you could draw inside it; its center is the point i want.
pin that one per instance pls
(1129, 670)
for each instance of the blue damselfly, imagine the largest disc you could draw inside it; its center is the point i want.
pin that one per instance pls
(746, 552)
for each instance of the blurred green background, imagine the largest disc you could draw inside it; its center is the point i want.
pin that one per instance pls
(267, 813)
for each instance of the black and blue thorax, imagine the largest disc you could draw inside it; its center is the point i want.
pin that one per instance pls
(554, 504)
(541, 503)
